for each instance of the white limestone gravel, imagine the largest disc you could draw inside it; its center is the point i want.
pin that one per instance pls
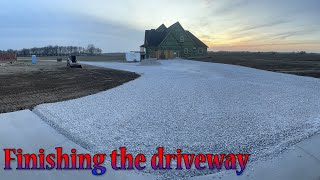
(150, 62)
(197, 106)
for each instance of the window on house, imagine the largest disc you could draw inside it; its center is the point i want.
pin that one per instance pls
(181, 38)
(200, 51)
(185, 50)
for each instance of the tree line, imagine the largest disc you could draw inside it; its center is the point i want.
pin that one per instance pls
(90, 50)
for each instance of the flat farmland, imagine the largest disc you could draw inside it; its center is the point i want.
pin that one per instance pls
(23, 85)
(114, 57)
(302, 64)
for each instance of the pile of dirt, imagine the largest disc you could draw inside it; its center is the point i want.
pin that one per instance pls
(150, 62)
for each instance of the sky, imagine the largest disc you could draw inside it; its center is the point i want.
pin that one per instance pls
(118, 26)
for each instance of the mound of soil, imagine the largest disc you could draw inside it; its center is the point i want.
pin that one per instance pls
(150, 62)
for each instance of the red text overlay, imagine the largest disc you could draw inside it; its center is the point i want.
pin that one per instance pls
(17, 159)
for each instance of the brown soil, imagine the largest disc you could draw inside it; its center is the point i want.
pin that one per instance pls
(23, 86)
(291, 63)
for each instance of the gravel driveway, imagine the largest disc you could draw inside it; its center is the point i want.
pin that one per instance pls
(197, 106)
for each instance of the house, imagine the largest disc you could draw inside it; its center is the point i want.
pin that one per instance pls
(171, 42)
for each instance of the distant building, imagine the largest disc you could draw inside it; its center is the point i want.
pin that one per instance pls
(171, 42)
(8, 56)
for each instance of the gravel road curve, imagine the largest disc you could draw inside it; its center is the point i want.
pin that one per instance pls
(197, 106)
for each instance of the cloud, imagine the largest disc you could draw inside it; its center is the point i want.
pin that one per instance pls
(265, 25)
(120, 25)
(285, 35)
(227, 6)
(27, 30)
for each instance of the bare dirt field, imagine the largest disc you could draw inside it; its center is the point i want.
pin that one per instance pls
(23, 85)
(301, 64)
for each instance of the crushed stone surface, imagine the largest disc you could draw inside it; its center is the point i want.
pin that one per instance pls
(197, 106)
(150, 62)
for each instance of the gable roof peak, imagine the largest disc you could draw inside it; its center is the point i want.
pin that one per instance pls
(162, 28)
(175, 25)
(162, 25)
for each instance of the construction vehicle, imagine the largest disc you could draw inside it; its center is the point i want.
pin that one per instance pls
(73, 63)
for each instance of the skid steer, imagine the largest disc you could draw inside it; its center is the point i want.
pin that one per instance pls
(73, 63)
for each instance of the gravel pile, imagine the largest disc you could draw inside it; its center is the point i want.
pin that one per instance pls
(199, 107)
(150, 62)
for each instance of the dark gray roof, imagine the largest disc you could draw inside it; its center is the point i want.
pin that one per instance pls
(155, 37)
(162, 28)
(197, 41)
(174, 25)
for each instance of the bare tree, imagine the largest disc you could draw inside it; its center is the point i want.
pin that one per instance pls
(57, 51)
